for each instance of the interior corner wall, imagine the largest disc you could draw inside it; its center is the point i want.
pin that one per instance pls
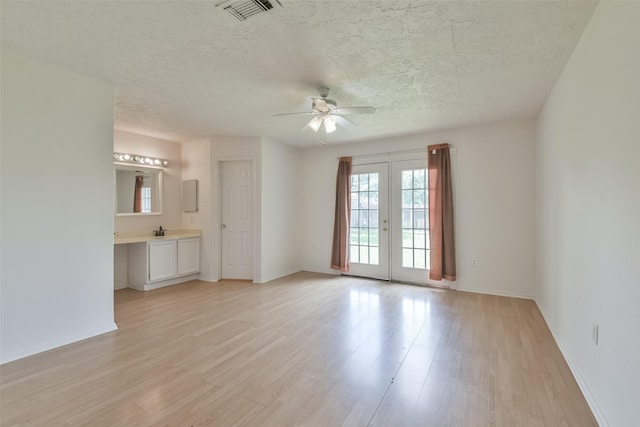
(281, 209)
(56, 218)
(494, 192)
(196, 164)
(588, 212)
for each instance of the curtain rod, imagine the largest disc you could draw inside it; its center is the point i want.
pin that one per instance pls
(389, 153)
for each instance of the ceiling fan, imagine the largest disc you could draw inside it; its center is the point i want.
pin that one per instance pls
(327, 115)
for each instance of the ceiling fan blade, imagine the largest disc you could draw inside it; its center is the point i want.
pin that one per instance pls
(355, 110)
(305, 113)
(344, 122)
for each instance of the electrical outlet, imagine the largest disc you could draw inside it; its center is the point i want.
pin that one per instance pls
(594, 333)
(474, 262)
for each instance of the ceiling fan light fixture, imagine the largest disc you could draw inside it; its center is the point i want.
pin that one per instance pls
(315, 123)
(329, 124)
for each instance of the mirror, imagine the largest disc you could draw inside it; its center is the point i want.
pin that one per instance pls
(190, 195)
(138, 190)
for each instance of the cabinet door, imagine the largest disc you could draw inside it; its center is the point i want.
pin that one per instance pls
(188, 256)
(162, 260)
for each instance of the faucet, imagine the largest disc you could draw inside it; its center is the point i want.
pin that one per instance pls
(159, 232)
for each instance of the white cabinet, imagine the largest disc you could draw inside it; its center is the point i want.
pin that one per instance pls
(188, 256)
(163, 262)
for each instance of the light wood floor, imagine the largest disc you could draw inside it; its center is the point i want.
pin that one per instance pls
(308, 349)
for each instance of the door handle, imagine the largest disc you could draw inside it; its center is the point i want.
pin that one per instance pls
(223, 226)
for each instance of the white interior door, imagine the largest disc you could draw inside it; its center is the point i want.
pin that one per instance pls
(410, 228)
(369, 235)
(236, 225)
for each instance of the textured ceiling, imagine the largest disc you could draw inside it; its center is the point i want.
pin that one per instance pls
(186, 69)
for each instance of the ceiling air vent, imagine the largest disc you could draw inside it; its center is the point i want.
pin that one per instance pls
(244, 9)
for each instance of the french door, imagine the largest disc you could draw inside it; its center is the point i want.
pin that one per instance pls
(369, 235)
(390, 221)
(410, 227)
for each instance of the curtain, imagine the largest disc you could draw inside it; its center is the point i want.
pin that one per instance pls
(341, 222)
(441, 237)
(137, 194)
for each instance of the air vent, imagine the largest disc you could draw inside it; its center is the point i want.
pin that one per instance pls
(244, 9)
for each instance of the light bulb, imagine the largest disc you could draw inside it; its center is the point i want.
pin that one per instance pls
(315, 123)
(127, 157)
(157, 162)
(165, 163)
(329, 124)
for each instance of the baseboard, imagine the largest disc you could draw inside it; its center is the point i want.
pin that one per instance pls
(207, 278)
(35, 350)
(169, 282)
(577, 374)
(496, 293)
(277, 276)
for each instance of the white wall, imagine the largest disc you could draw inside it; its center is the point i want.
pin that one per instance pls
(588, 216)
(282, 178)
(57, 207)
(196, 164)
(494, 190)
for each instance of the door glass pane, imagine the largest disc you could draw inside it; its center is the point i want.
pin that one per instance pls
(419, 258)
(373, 182)
(374, 256)
(353, 256)
(373, 237)
(419, 220)
(407, 258)
(418, 178)
(407, 218)
(365, 218)
(373, 200)
(354, 236)
(354, 218)
(364, 255)
(419, 237)
(363, 201)
(407, 238)
(364, 236)
(407, 199)
(418, 199)
(364, 182)
(373, 218)
(407, 178)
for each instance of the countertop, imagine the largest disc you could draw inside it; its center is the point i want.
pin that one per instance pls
(124, 238)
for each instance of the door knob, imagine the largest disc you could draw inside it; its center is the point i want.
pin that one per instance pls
(223, 225)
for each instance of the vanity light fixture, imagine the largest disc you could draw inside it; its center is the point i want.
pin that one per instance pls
(137, 159)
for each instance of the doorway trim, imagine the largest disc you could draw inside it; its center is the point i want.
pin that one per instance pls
(255, 215)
